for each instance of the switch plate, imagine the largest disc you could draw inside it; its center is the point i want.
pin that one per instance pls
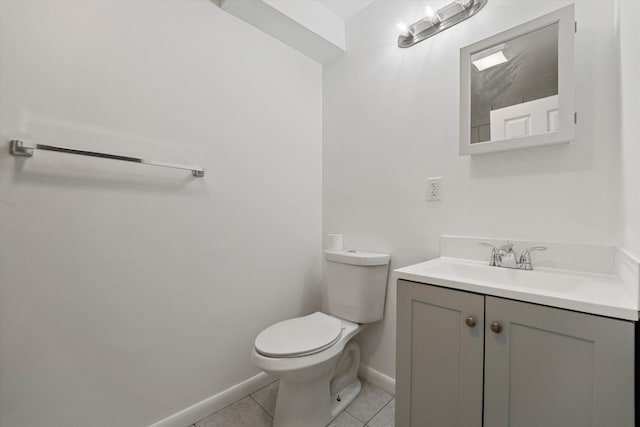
(434, 188)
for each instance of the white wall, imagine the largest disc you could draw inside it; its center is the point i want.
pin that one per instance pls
(129, 292)
(391, 121)
(629, 33)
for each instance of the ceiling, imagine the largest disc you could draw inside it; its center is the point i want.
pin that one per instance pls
(345, 9)
(315, 28)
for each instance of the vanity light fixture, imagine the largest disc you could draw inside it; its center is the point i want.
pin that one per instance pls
(490, 61)
(435, 21)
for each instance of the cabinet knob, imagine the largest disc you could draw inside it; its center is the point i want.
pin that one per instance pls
(496, 327)
(470, 322)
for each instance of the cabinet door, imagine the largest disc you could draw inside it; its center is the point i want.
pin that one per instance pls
(438, 358)
(557, 368)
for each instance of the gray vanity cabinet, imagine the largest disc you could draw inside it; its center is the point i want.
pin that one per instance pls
(552, 367)
(518, 364)
(439, 357)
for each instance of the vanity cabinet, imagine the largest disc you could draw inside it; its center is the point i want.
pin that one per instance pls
(439, 359)
(467, 360)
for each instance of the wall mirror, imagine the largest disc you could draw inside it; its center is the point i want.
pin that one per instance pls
(516, 88)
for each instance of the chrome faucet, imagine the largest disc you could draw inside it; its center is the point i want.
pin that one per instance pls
(506, 257)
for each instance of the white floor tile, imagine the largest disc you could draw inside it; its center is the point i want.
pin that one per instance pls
(386, 416)
(243, 413)
(266, 397)
(345, 420)
(369, 402)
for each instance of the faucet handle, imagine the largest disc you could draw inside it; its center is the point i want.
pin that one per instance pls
(525, 258)
(534, 248)
(487, 244)
(495, 254)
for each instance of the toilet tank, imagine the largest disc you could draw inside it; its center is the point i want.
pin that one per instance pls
(356, 284)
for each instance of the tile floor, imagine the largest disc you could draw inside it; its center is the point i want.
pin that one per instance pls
(373, 407)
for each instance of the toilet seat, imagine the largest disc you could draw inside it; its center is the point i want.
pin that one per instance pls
(301, 336)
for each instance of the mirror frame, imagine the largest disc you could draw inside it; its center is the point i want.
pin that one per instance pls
(564, 17)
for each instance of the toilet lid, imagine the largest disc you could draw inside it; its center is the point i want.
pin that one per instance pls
(301, 336)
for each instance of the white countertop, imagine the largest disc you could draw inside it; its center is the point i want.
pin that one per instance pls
(601, 294)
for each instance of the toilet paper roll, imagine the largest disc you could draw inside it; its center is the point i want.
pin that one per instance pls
(334, 242)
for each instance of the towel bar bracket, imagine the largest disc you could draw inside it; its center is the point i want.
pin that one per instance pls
(17, 148)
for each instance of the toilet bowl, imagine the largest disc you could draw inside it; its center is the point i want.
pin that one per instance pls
(305, 396)
(315, 357)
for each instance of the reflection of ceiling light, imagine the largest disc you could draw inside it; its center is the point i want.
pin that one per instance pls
(490, 61)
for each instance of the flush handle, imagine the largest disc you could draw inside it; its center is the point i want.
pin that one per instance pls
(496, 327)
(470, 322)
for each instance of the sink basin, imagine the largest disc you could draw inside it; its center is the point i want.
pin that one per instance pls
(506, 277)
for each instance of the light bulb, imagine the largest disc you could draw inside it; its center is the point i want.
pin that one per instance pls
(431, 14)
(402, 27)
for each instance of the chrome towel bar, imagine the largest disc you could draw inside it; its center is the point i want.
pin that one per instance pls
(17, 148)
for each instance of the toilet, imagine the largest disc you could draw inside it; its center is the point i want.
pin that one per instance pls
(314, 356)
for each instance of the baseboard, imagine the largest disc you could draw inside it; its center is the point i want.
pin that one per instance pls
(376, 378)
(208, 406)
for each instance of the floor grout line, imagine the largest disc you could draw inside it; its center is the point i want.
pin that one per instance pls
(376, 414)
(379, 410)
(262, 407)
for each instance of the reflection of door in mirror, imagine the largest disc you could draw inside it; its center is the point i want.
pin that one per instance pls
(514, 87)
